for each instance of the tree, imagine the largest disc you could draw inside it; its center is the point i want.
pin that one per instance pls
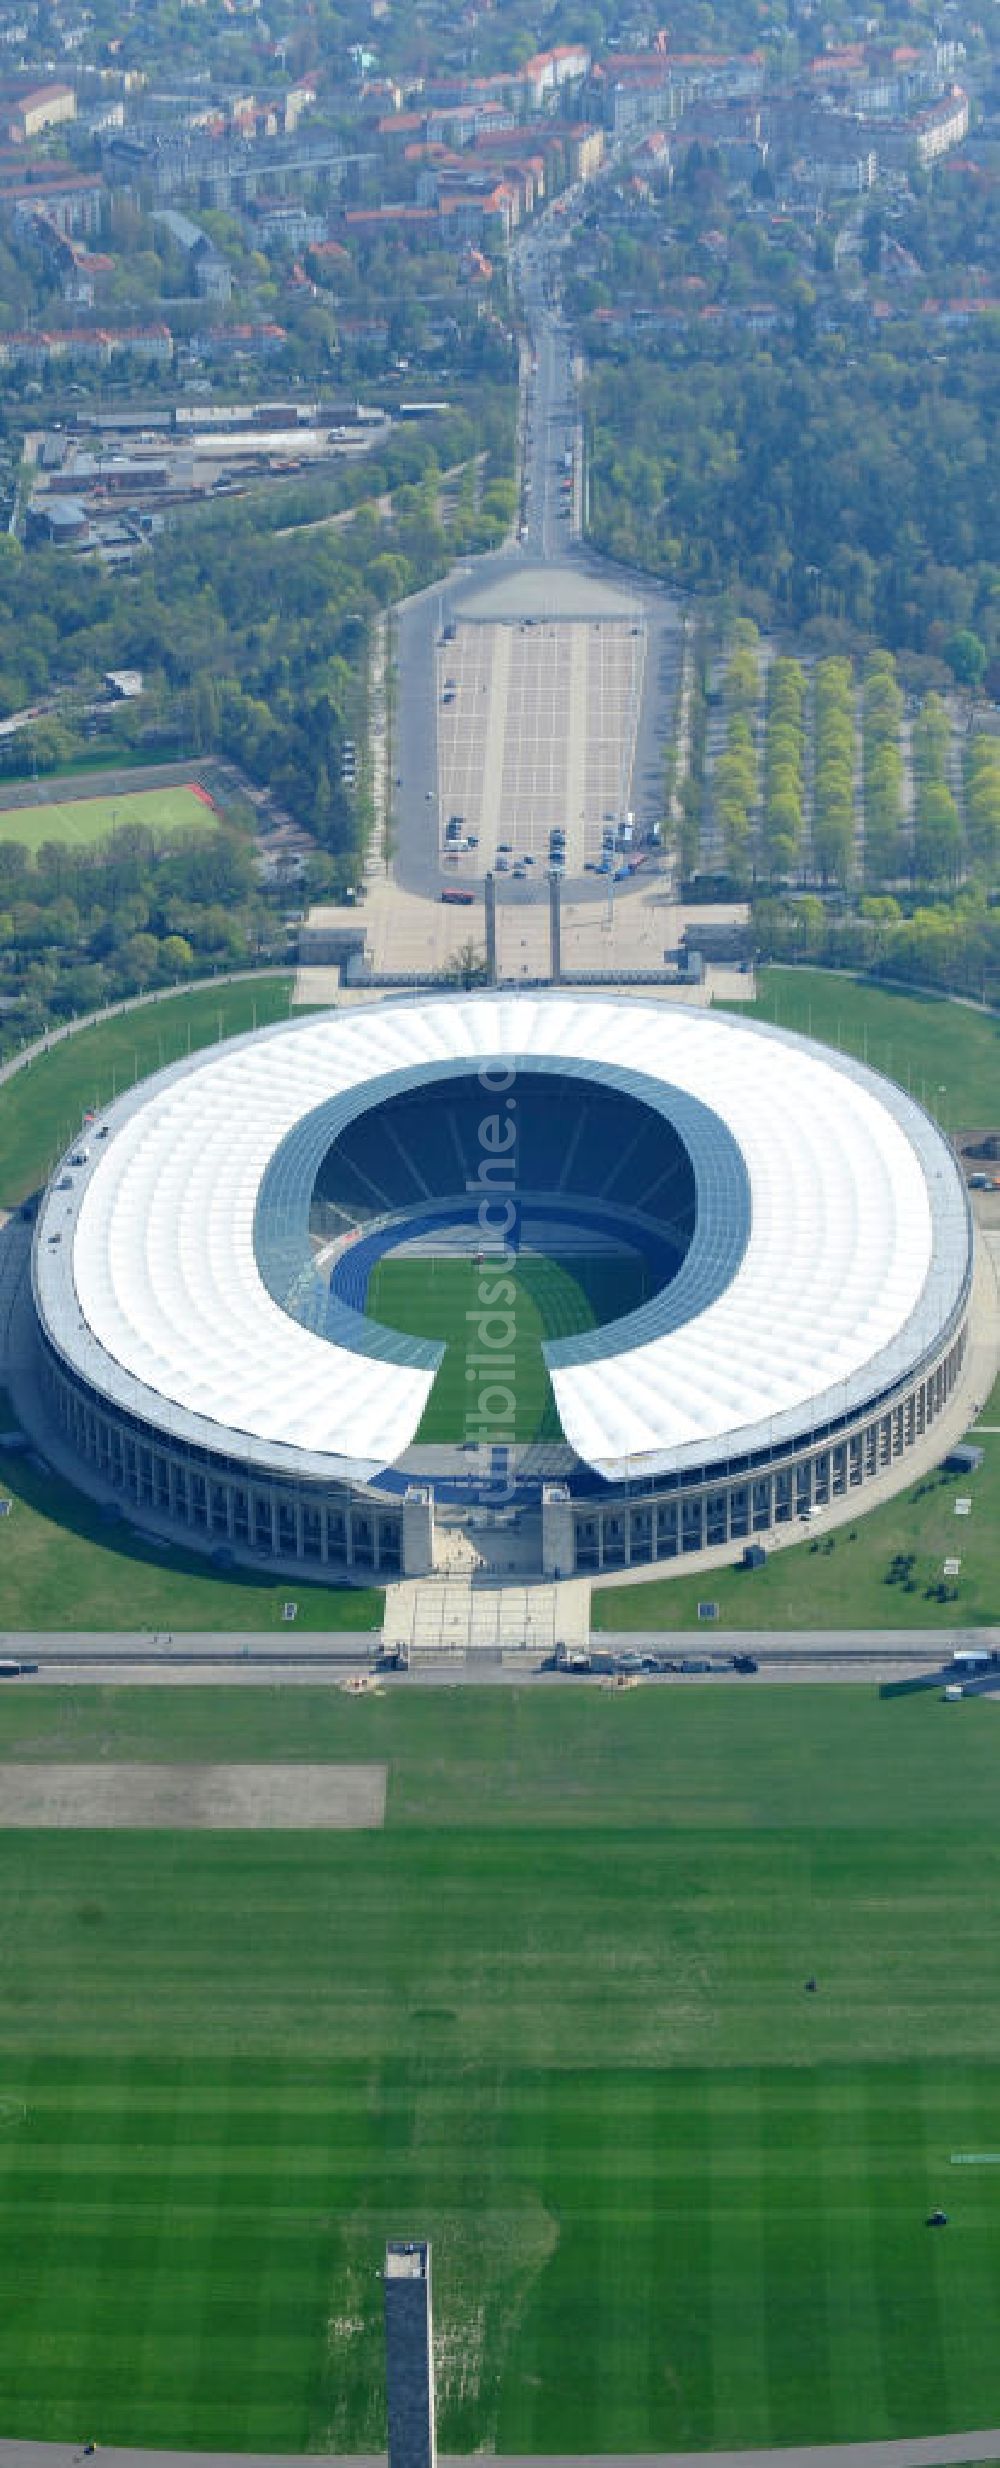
(937, 836)
(967, 658)
(466, 968)
(176, 955)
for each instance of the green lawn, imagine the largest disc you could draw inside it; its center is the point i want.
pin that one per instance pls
(947, 1054)
(42, 1105)
(991, 1409)
(554, 2017)
(79, 821)
(844, 1579)
(65, 1567)
(449, 1298)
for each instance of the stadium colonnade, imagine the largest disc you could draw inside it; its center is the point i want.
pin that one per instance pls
(197, 1298)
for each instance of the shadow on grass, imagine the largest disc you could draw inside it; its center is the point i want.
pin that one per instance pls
(50, 1497)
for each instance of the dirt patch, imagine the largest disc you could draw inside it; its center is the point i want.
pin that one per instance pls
(227, 1798)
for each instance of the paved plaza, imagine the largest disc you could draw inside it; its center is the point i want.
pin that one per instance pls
(536, 732)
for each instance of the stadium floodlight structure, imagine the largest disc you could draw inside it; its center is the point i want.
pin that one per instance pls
(808, 1326)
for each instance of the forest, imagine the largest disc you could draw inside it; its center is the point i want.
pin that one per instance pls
(251, 624)
(81, 927)
(825, 485)
(250, 621)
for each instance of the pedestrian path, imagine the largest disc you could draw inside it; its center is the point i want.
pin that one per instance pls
(443, 1619)
(917, 2451)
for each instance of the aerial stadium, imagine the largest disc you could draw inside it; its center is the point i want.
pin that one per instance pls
(649, 1279)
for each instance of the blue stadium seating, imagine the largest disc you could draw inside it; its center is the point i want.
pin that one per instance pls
(582, 1141)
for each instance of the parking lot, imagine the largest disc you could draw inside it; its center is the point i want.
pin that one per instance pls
(537, 724)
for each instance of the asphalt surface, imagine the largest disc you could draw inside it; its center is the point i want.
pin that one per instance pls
(261, 1659)
(922, 2451)
(552, 547)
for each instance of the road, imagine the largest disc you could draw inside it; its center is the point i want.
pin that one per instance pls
(261, 1658)
(549, 543)
(551, 429)
(921, 2451)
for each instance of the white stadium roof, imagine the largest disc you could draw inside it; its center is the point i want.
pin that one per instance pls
(856, 1252)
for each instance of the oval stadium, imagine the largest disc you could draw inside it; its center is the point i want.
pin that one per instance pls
(637, 1280)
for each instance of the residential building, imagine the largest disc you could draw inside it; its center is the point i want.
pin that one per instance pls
(73, 200)
(29, 113)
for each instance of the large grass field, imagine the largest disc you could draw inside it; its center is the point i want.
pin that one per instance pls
(446, 1299)
(852, 1577)
(79, 821)
(946, 1053)
(555, 2018)
(43, 1104)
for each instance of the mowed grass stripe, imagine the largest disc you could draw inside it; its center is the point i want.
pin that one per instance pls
(175, 2288)
(578, 2054)
(645, 2274)
(906, 2253)
(847, 2194)
(738, 2195)
(967, 2316)
(796, 2324)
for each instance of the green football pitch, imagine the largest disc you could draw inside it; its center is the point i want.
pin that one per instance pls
(493, 1321)
(554, 2017)
(79, 821)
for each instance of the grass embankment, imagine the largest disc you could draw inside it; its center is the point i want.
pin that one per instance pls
(66, 1567)
(946, 1053)
(42, 1105)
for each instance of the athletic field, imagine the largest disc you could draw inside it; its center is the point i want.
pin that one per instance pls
(554, 2016)
(79, 821)
(469, 1307)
